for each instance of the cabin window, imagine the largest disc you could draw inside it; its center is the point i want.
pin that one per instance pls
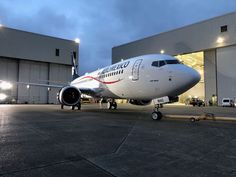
(57, 52)
(224, 28)
(74, 54)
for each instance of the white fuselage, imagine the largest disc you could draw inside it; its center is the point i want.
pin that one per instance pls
(144, 78)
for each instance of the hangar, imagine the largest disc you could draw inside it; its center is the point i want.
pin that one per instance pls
(208, 46)
(34, 58)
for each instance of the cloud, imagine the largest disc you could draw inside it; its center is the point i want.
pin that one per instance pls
(106, 23)
(155, 16)
(44, 21)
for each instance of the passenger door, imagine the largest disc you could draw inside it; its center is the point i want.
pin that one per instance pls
(135, 70)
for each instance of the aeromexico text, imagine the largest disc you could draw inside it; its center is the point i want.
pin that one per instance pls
(115, 67)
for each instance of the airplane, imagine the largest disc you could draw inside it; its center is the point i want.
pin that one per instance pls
(140, 79)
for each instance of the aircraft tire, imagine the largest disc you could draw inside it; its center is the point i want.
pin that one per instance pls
(115, 105)
(156, 115)
(109, 105)
(192, 119)
(112, 105)
(79, 106)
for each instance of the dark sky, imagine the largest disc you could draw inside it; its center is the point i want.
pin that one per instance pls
(103, 24)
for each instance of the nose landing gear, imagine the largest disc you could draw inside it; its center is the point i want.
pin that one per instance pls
(156, 114)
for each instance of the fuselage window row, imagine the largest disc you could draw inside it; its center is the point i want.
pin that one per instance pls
(111, 74)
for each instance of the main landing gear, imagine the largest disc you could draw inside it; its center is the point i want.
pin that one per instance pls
(73, 107)
(78, 106)
(112, 104)
(156, 114)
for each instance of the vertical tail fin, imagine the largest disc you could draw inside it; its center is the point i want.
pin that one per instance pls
(74, 66)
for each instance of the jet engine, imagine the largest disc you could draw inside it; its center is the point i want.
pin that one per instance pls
(69, 96)
(140, 102)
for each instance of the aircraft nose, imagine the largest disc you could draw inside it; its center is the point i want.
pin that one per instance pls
(194, 76)
(188, 77)
(191, 77)
(185, 78)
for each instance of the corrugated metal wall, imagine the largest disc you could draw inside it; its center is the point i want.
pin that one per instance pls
(9, 72)
(30, 57)
(33, 72)
(226, 73)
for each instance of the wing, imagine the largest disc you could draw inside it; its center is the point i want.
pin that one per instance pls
(8, 85)
(40, 85)
(88, 91)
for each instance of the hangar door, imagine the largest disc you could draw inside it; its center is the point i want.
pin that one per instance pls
(61, 74)
(8, 72)
(226, 73)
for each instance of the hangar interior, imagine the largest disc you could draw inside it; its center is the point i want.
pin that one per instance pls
(196, 61)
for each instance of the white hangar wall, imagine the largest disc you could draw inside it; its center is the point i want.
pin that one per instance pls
(200, 36)
(35, 58)
(9, 71)
(210, 74)
(58, 72)
(32, 72)
(226, 72)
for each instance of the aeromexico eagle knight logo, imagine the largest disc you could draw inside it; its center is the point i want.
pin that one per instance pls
(117, 68)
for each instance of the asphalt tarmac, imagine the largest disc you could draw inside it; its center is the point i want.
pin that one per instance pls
(42, 140)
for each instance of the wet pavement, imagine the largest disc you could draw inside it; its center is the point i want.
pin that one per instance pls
(42, 140)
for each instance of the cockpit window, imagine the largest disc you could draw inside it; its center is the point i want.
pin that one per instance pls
(172, 62)
(164, 62)
(155, 63)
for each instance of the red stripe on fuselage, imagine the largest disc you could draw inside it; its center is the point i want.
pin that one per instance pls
(90, 77)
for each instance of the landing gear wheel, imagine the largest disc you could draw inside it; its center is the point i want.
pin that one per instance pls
(112, 105)
(192, 119)
(79, 106)
(109, 105)
(156, 115)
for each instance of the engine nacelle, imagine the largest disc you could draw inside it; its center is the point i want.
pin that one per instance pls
(69, 96)
(140, 102)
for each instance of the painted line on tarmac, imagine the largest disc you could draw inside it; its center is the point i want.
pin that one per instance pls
(200, 117)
